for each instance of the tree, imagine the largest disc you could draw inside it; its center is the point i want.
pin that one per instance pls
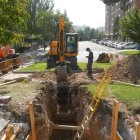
(47, 24)
(116, 27)
(110, 2)
(90, 33)
(130, 25)
(13, 16)
(124, 5)
(35, 9)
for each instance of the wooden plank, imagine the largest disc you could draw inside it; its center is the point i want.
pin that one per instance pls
(3, 124)
(114, 119)
(13, 137)
(137, 128)
(9, 132)
(4, 137)
(125, 83)
(65, 127)
(7, 83)
(118, 137)
(29, 137)
(32, 118)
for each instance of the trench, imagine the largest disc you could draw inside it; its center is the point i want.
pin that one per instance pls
(47, 114)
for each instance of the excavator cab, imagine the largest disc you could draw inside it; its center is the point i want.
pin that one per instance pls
(72, 43)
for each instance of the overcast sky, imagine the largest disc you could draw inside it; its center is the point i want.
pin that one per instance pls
(83, 12)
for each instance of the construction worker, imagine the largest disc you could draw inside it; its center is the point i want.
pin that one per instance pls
(90, 61)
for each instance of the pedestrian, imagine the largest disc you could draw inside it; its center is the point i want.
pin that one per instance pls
(90, 61)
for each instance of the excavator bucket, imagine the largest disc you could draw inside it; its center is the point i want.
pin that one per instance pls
(61, 73)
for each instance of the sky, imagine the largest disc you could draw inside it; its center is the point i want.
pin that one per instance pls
(83, 12)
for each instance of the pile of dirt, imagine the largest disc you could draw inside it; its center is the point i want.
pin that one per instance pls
(103, 58)
(72, 77)
(127, 69)
(44, 76)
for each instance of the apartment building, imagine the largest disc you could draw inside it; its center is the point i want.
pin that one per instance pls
(113, 14)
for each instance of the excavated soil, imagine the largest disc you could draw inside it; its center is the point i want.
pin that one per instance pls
(103, 58)
(127, 69)
(46, 114)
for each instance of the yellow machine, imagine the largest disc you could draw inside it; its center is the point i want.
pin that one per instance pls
(65, 49)
(63, 54)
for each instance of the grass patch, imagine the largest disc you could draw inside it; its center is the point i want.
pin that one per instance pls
(21, 93)
(105, 66)
(35, 67)
(129, 95)
(136, 52)
(82, 66)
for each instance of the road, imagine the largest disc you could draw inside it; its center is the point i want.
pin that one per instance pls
(96, 48)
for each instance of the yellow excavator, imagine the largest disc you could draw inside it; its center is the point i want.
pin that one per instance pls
(63, 54)
(65, 50)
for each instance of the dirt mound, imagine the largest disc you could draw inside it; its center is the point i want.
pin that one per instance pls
(103, 58)
(127, 69)
(44, 76)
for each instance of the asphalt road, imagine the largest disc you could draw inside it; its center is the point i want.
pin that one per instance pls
(96, 48)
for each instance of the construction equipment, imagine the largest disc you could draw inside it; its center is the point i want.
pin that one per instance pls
(92, 107)
(65, 50)
(8, 59)
(63, 54)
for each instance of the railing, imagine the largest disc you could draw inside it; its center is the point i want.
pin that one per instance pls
(9, 64)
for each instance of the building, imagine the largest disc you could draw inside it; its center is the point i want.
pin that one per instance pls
(113, 14)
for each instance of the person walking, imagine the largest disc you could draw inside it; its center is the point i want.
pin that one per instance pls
(90, 61)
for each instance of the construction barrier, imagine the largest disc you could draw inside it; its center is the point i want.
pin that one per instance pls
(9, 64)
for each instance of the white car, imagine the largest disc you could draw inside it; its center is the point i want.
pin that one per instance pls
(129, 45)
(109, 43)
(119, 44)
(115, 44)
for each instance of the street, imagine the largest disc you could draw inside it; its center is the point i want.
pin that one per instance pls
(96, 48)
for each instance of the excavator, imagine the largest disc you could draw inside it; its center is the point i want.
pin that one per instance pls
(8, 59)
(65, 50)
(63, 54)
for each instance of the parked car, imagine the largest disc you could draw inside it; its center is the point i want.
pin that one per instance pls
(109, 43)
(118, 44)
(97, 41)
(114, 44)
(101, 42)
(128, 45)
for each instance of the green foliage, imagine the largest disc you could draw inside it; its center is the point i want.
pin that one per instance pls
(35, 8)
(90, 33)
(105, 66)
(110, 2)
(82, 66)
(136, 52)
(13, 15)
(44, 21)
(130, 25)
(35, 67)
(124, 5)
